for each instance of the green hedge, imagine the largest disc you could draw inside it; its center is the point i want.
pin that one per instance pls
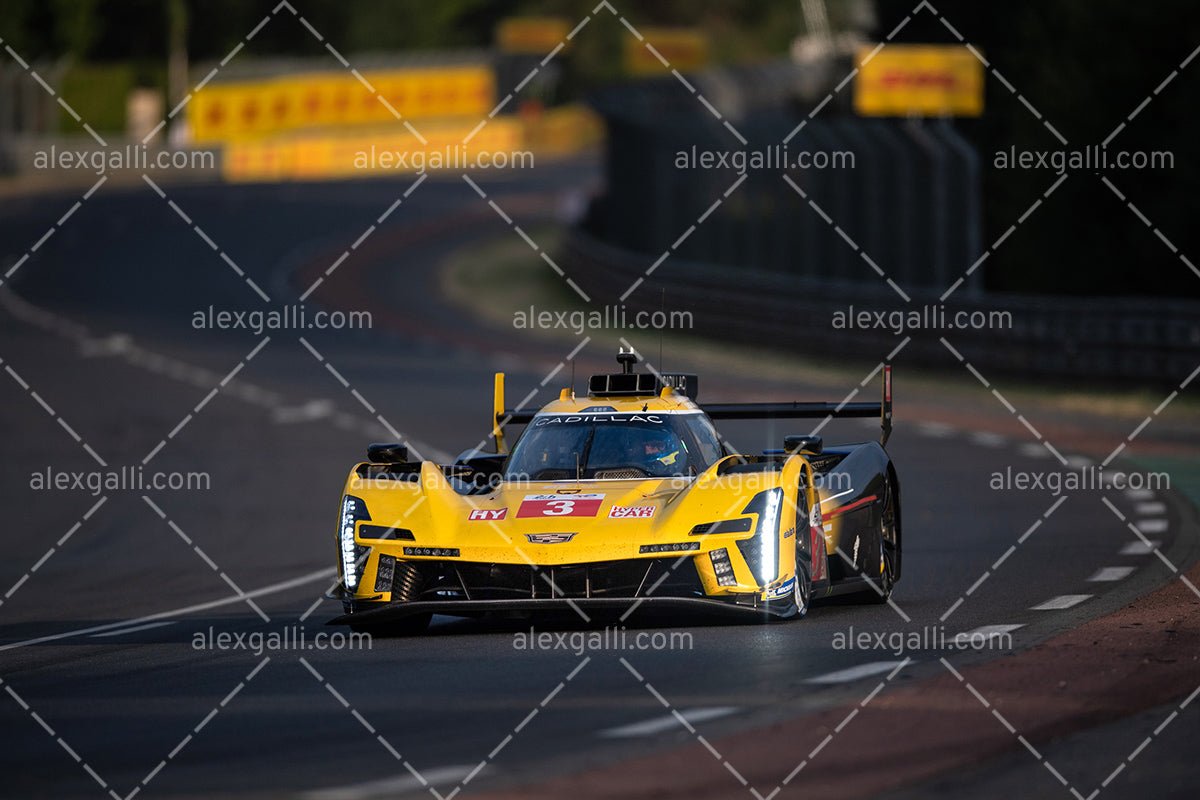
(99, 91)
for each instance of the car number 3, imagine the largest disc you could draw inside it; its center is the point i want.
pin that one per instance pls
(558, 508)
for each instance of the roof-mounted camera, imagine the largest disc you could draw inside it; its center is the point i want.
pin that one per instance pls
(628, 383)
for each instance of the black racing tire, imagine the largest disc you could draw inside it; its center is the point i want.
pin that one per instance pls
(802, 588)
(796, 605)
(889, 546)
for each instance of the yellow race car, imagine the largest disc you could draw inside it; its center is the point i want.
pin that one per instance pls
(625, 498)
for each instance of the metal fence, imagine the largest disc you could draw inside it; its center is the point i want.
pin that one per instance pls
(904, 192)
(771, 264)
(1104, 339)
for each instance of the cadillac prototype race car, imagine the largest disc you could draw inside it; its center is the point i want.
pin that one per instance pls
(625, 498)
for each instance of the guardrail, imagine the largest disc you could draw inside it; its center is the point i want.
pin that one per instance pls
(1150, 341)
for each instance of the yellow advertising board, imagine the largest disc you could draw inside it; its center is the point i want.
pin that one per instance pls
(510, 142)
(532, 36)
(683, 49)
(316, 155)
(230, 111)
(923, 80)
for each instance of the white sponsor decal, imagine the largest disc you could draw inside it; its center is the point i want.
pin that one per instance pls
(609, 411)
(781, 591)
(576, 418)
(572, 496)
(631, 512)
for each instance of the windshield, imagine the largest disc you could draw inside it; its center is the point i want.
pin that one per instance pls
(612, 445)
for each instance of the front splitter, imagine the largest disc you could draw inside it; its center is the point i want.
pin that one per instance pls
(585, 608)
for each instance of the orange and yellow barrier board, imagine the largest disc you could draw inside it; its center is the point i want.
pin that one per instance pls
(376, 151)
(225, 112)
(350, 154)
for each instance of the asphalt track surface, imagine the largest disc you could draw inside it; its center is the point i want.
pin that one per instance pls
(104, 692)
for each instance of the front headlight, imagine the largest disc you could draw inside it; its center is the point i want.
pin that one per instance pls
(352, 554)
(761, 551)
(769, 536)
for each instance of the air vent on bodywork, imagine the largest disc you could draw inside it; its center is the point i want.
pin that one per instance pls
(620, 474)
(741, 525)
(826, 462)
(384, 532)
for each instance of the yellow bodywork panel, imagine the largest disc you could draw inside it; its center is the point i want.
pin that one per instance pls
(551, 523)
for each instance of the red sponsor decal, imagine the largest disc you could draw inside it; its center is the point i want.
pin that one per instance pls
(837, 512)
(922, 80)
(631, 512)
(819, 559)
(488, 514)
(558, 505)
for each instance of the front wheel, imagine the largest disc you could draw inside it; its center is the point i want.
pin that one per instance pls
(802, 587)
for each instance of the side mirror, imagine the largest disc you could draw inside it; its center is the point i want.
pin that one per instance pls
(387, 453)
(803, 443)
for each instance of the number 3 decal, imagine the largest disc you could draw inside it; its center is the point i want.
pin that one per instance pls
(556, 505)
(558, 508)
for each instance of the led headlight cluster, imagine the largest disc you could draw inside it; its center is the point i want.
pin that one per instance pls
(385, 573)
(768, 535)
(761, 551)
(672, 547)
(353, 509)
(722, 567)
(445, 552)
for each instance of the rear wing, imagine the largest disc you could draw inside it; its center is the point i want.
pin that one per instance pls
(502, 416)
(817, 410)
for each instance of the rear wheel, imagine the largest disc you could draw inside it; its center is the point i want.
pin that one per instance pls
(889, 546)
